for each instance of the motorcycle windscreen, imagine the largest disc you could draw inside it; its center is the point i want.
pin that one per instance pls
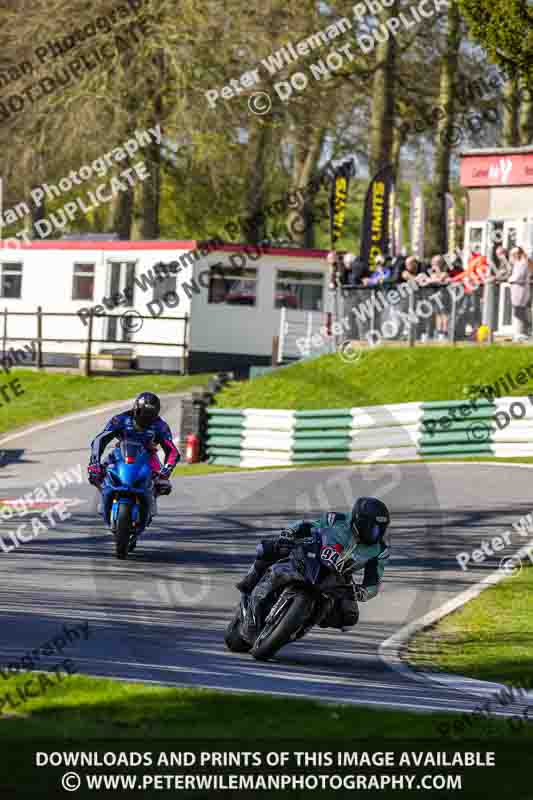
(131, 450)
(134, 470)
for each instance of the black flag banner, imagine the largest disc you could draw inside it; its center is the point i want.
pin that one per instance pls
(338, 199)
(392, 211)
(375, 228)
(450, 224)
(417, 222)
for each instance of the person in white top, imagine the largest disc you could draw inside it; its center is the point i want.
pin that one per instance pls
(520, 292)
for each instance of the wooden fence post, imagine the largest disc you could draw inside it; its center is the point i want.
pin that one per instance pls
(39, 337)
(4, 336)
(87, 367)
(185, 346)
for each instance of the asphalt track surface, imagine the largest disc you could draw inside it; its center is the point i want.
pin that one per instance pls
(160, 615)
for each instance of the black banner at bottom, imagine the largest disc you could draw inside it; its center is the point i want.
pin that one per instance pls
(267, 768)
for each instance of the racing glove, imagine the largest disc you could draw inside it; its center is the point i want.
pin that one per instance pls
(164, 473)
(95, 474)
(361, 594)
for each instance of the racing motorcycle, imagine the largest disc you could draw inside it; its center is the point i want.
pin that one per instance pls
(127, 504)
(314, 576)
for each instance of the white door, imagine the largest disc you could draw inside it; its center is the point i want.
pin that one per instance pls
(505, 322)
(120, 275)
(512, 233)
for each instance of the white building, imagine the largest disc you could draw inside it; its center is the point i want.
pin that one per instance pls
(499, 185)
(220, 307)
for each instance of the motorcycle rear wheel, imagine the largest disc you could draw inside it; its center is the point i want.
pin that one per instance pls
(122, 535)
(279, 632)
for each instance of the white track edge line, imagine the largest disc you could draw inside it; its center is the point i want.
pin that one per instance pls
(390, 650)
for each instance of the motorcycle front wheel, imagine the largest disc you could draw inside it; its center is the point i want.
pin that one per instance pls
(289, 614)
(122, 535)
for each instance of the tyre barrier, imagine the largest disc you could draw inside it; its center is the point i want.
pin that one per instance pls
(255, 437)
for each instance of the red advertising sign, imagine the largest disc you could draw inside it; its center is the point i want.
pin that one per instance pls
(497, 169)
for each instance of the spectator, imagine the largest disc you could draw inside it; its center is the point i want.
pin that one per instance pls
(398, 266)
(438, 276)
(411, 270)
(382, 274)
(473, 279)
(405, 270)
(520, 292)
(354, 269)
(331, 258)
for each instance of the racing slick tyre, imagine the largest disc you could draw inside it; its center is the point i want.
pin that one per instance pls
(122, 535)
(232, 637)
(288, 616)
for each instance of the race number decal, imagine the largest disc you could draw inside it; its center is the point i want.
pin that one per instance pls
(330, 556)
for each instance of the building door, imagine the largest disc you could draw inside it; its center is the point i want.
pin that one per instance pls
(512, 233)
(120, 285)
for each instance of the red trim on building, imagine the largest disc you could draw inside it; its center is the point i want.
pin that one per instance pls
(67, 244)
(497, 169)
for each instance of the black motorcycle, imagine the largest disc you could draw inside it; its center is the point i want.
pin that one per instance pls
(313, 579)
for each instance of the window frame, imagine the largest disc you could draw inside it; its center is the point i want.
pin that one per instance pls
(229, 272)
(75, 275)
(320, 281)
(18, 273)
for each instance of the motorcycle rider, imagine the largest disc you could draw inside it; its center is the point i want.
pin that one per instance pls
(144, 422)
(350, 542)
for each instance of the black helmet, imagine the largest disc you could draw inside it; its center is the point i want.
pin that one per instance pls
(369, 521)
(146, 409)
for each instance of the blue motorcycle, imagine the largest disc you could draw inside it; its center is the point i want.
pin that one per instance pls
(128, 503)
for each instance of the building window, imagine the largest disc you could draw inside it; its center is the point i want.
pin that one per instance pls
(12, 280)
(232, 285)
(83, 282)
(299, 290)
(164, 285)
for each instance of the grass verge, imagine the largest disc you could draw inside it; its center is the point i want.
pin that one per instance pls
(381, 375)
(48, 395)
(83, 707)
(490, 638)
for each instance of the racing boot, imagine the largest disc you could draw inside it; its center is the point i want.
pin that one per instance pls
(252, 577)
